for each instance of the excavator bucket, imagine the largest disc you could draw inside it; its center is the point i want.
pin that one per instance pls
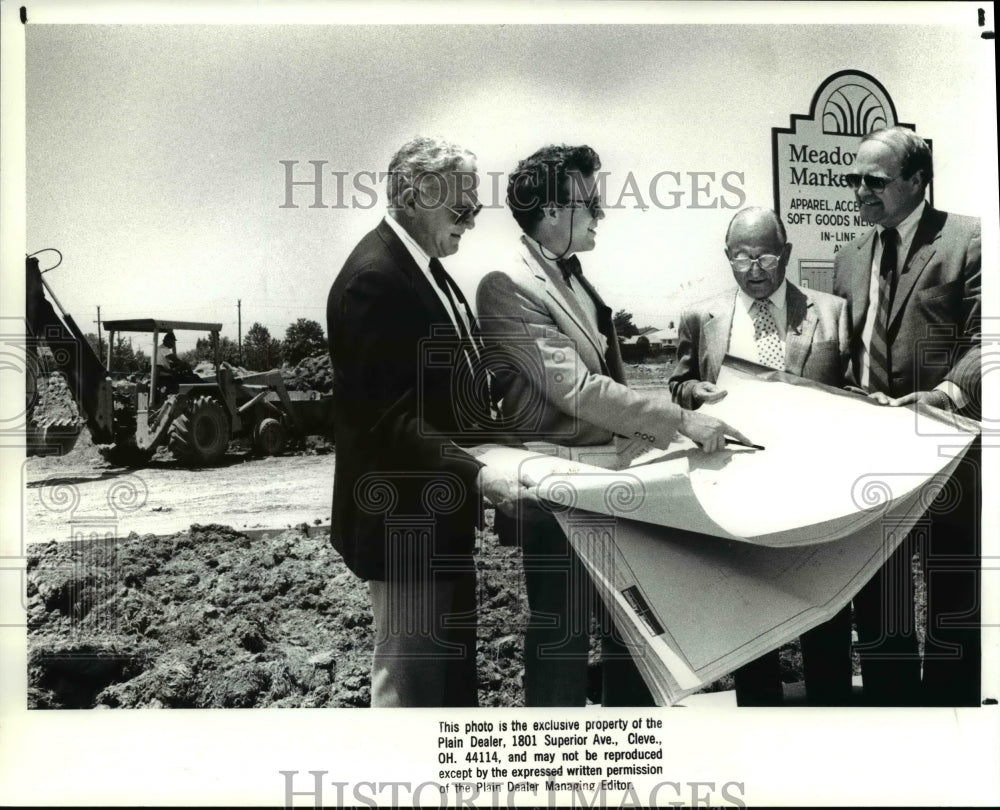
(55, 438)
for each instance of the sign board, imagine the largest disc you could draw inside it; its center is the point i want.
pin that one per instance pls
(811, 156)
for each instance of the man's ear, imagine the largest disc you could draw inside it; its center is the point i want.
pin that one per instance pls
(726, 251)
(786, 251)
(408, 201)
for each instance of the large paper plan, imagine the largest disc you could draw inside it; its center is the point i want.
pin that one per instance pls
(708, 561)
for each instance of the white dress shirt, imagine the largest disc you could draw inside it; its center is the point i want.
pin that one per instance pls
(424, 263)
(576, 290)
(742, 341)
(906, 229)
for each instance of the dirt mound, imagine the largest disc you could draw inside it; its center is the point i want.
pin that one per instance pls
(215, 618)
(212, 618)
(311, 374)
(53, 399)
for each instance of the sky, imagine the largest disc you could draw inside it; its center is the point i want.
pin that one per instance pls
(154, 153)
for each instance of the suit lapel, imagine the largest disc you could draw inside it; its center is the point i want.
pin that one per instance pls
(606, 327)
(417, 279)
(801, 325)
(861, 279)
(548, 275)
(921, 250)
(717, 330)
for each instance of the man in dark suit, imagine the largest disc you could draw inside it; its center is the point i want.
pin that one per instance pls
(770, 321)
(406, 497)
(568, 386)
(913, 288)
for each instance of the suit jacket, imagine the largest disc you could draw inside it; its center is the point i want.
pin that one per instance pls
(936, 305)
(404, 493)
(559, 384)
(816, 340)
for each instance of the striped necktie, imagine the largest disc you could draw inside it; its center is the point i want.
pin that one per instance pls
(879, 361)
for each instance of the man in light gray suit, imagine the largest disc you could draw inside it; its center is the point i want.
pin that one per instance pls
(565, 383)
(770, 321)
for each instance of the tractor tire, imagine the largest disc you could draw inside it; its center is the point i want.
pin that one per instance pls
(199, 437)
(269, 437)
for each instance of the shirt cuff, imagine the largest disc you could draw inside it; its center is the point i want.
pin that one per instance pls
(954, 393)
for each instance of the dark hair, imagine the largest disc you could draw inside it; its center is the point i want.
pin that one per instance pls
(913, 151)
(542, 179)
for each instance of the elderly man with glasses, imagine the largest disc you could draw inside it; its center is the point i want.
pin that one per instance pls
(770, 321)
(558, 369)
(913, 287)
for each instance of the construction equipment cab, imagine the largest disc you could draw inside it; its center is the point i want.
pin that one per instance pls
(195, 415)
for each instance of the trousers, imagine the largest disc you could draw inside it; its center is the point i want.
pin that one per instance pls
(425, 641)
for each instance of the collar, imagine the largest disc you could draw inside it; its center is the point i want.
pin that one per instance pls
(419, 256)
(779, 297)
(908, 226)
(542, 253)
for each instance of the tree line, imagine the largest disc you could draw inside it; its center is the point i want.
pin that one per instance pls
(261, 352)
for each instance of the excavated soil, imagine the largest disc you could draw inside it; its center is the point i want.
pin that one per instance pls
(214, 618)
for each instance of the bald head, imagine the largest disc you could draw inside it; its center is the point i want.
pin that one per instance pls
(757, 250)
(758, 224)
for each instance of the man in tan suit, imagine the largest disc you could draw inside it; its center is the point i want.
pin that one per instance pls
(564, 382)
(770, 321)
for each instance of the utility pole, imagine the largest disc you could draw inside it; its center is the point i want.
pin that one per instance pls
(100, 343)
(239, 330)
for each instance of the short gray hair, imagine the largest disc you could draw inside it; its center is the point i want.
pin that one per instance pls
(419, 159)
(913, 152)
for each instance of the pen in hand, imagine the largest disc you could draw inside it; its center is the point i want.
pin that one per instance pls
(744, 444)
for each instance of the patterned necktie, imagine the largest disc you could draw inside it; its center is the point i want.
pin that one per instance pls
(878, 349)
(770, 351)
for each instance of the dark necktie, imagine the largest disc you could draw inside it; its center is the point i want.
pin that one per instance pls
(470, 340)
(879, 364)
(570, 268)
(447, 284)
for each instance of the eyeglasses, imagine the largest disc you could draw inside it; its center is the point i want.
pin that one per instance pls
(464, 216)
(766, 261)
(873, 183)
(593, 205)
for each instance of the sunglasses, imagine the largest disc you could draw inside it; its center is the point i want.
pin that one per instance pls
(593, 205)
(873, 183)
(465, 215)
